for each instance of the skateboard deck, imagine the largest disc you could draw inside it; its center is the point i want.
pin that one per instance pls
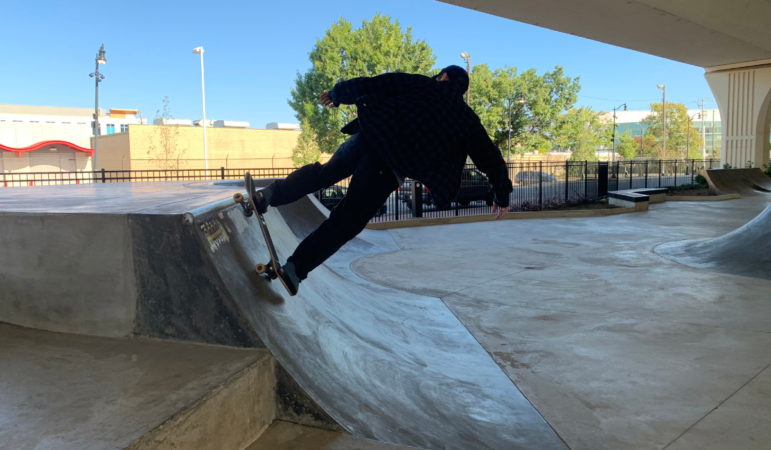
(271, 268)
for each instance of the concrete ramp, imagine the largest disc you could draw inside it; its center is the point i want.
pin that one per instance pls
(386, 365)
(745, 251)
(745, 182)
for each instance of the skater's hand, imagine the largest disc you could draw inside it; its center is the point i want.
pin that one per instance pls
(326, 101)
(501, 211)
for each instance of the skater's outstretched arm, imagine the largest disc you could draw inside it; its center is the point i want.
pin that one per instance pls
(487, 157)
(390, 84)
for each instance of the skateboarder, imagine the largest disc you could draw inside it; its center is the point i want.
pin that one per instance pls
(408, 126)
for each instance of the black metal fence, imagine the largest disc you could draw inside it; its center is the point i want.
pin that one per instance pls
(537, 185)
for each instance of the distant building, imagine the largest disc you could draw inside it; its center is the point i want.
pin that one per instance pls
(283, 126)
(51, 138)
(632, 121)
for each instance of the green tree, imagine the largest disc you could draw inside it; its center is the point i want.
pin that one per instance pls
(162, 146)
(582, 131)
(627, 148)
(495, 95)
(679, 133)
(379, 46)
(307, 150)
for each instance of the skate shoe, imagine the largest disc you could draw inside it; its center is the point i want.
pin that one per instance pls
(289, 278)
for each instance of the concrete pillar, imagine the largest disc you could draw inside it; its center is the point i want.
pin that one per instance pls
(743, 95)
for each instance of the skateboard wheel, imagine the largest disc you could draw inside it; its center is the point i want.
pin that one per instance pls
(238, 197)
(261, 268)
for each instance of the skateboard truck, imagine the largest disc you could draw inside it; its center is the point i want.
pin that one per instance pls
(245, 205)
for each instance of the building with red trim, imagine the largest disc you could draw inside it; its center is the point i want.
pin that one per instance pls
(53, 139)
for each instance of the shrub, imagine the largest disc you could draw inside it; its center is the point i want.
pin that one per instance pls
(700, 180)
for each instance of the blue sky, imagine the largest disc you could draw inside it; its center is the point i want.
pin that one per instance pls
(254, 50)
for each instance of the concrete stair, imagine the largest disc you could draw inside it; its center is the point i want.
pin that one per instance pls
(63, 391)
(289, 436)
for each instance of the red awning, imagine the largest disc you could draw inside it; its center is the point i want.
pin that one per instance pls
(42, 144)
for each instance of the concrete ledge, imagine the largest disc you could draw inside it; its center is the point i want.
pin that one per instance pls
(426, 222)
(231, 416)
(706, 198)
(72, 392)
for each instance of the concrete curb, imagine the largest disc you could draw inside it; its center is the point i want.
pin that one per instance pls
(706, 198)
(232, 416)
(425, 222)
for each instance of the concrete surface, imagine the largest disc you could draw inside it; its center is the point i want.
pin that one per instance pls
(745, 182)
(62, 391)
(745, 251)
(704, 33)
(616, 346)
(382, 363)
(289, 436)
(94, 259)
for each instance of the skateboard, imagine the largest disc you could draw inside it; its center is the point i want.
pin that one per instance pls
(272, 267)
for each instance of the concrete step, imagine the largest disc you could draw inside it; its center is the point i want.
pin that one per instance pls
(62, 391)
(289, 436)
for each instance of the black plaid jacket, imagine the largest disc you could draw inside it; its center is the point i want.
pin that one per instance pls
(423, 129)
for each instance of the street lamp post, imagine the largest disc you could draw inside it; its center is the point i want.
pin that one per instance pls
(199, 51)
(663, 118)
(614, 128)
(467, 58)
(688, 135)
(98, 77)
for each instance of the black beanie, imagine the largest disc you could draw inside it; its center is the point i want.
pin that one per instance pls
(458, 76)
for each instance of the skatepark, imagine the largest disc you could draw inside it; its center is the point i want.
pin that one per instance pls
(138, 308)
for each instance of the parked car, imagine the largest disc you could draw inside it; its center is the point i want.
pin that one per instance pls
(332, 195)
(474, 186)
(533, 176)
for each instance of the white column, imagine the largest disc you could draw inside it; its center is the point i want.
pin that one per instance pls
(743, 95)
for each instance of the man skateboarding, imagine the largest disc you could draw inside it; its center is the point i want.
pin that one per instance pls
(408, 126)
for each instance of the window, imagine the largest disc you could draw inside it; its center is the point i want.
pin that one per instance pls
(49, 122)
(34, 121)
(110, 128)
(124, 128)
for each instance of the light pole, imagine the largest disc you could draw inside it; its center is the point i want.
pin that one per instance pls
(98, 77)
(688, 135)
(663, 118)
(614, 128)
(521, 101)
(467, 58)
(199, 51)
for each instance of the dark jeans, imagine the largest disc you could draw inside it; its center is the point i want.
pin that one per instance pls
(371, 184)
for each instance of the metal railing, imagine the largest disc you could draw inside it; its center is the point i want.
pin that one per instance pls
(537, 185)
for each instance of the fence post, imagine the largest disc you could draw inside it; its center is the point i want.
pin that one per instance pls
(416, 190)
(540, 184)
(631, 174)
(103, 177)
(675, 173)
(661, 169)
(602, 179)
(646, 174)
(222, 173)
(586, 180)
(567, 180)
(693, 175)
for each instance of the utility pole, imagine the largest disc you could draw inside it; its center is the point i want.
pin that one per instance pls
(663, 118)
(100, 59)
(614, 128)
(199, 51)
(703, 137)
(467, 58)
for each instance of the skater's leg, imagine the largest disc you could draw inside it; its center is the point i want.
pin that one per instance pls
(316, 176)
(370, 187)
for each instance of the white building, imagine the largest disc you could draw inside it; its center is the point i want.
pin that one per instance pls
(52, 139)
(709, 126)
(283, 126)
